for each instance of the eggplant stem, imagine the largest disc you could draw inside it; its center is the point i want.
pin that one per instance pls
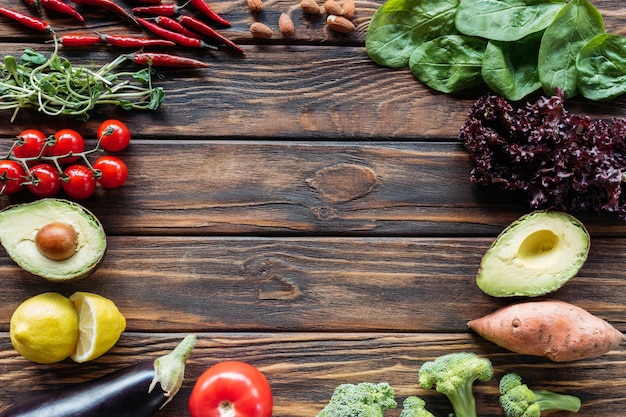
(169, 369)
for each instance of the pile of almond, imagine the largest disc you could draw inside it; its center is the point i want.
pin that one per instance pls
(339, 17)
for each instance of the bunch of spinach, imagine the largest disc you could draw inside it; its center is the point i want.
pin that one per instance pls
(515, 47)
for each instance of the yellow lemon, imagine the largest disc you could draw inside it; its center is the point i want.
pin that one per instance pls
(44, 328)
(100, 325)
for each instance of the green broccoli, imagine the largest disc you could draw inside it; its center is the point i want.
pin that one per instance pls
(518, 400)
(360, 400)
(415, 407)
(454, 375)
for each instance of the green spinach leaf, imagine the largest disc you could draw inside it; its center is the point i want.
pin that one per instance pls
(510, 68)
(506, 20)
(601, 67)
(399, 26)
(450, 63)
(573, 27)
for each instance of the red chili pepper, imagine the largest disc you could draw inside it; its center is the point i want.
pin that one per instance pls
(61, 7)
(170, 35)
(159, 10)
(28, 21)
(134, 42)
(111, 6)
(204, 8)
(176, 26)
(203, 28)
(166, 60)
(80, 40)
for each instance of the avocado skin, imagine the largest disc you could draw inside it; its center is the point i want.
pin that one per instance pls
(19, 224)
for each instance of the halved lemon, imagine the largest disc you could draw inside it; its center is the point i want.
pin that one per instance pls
(100, 325)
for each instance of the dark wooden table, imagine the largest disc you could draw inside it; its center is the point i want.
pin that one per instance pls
(304, 210)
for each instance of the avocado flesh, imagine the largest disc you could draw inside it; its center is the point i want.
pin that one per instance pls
(19, 225)
(535, 255)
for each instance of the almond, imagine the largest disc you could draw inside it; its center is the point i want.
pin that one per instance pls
(255, 6)
(349, 9)
(260, 30)
(332, 7)
(340, 24)
(285, 25)
(310, 7)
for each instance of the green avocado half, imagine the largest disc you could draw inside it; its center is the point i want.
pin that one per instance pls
(535, 255)
(20, 223)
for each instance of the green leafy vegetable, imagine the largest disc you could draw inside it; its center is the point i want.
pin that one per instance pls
(573, 27)
(510, 68)
(449, 63)
(506, 20)
(601, 67)
(53, 86)
(399, 26)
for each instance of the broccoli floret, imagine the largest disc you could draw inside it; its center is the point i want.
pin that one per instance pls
(360, 400)
(454, 375)
(517, 400)
(415, 407)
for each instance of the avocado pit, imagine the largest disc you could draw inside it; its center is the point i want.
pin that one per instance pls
(57, 241)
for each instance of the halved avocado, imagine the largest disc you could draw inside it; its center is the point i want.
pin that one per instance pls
(19, 227)
(535, 255)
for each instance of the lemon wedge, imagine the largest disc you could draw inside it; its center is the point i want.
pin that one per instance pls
(100, 325)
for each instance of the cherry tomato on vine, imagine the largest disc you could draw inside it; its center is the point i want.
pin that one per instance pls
(29, 144)
(114, 135)
(113, 171)
(45, 180)
(12, 176)
(78, 181)
(66, 141)
(231, 388)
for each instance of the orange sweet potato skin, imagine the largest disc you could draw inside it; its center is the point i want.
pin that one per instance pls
(554, 329)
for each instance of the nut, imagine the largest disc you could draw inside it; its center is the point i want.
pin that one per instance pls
(310, 7)
(349, 9)
(340, 24)
(260, 30)
(255, 6)
(285, 25)
(332, 7)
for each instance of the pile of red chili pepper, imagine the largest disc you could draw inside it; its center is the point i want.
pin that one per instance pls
(166, 24)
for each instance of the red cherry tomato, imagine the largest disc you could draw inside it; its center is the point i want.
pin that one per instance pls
(113, 171)
(231, 388)
(114, 135)
(78, 181)
(45, 180)
(66, 141)
(12, 176)
(29, 144)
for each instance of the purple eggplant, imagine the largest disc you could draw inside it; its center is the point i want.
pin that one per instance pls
(138, 390)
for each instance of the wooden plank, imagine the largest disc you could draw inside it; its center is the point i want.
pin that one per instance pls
(309, 284)
(295, 188)
(304, 368)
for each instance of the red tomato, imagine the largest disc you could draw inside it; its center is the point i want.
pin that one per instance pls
(29, 144)
(231, 388)
(12, 176)
(79, 181)
(45, 180)
(67, 141)
(114, 135)
(113, 171)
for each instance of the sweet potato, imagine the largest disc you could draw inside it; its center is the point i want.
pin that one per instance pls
(554, 329)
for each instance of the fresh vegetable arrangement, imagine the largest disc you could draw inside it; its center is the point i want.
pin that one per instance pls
(45, 165)
(514, 47)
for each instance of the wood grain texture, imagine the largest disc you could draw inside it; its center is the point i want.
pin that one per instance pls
(305, 210)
